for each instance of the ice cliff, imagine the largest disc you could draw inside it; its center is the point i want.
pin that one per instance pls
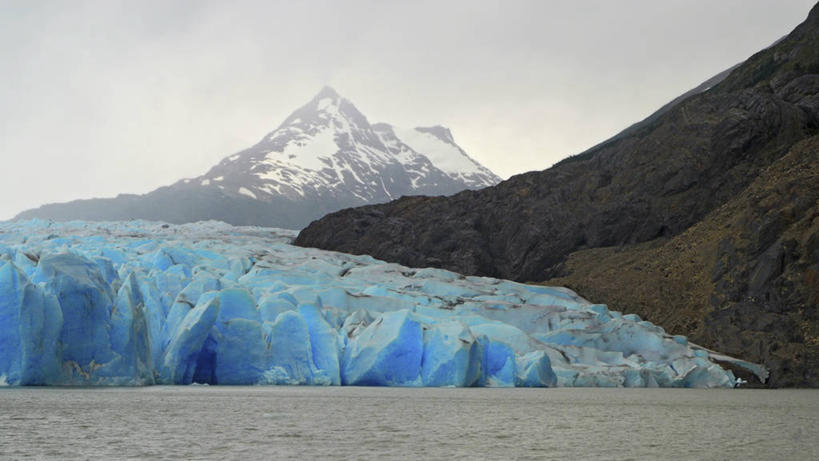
(140, 303)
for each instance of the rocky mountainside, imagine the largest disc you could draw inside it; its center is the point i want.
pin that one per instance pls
(323, 157)
(639, 195)
(744, 280)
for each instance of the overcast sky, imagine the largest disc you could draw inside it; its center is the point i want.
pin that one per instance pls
(106, 97)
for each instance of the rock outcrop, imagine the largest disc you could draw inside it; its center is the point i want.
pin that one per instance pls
(643, 190)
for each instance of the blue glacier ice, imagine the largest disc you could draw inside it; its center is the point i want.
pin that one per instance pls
(388, 352)
(140, 303)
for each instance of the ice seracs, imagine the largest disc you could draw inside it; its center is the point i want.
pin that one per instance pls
(138, 303)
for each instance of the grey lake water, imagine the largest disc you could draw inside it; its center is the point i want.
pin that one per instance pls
(193, 422)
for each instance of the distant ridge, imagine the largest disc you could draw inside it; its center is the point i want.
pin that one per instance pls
(325, 156)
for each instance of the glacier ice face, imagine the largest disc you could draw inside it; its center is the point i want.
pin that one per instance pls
(387, 352)
(452, 356)
(290, 359)
(31, 322)
(138, 303)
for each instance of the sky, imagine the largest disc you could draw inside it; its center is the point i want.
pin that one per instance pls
(105, 97)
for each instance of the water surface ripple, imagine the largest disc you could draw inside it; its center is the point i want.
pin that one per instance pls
(193, 422)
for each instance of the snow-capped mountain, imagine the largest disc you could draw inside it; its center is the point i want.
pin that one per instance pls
(324, 157)
(328, 149)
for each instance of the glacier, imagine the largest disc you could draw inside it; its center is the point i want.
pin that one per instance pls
(140, 303)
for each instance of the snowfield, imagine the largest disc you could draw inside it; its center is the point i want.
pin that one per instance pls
(141, 303)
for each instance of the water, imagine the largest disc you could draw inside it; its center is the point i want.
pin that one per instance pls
(375, 423)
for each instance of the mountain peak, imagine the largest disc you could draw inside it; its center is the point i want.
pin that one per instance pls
(323, 157)
(324, 108)
(327, 92)
(327, 97)
(440, 132)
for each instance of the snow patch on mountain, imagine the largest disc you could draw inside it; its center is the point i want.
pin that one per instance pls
(328, 149)
(324, 157)
(444, 154)
(310, 153)
(245, 191)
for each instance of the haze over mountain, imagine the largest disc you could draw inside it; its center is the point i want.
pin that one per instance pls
(132, 96)
(325, 156)
(703, 218)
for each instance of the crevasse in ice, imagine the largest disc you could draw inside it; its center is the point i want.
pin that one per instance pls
(140, 303)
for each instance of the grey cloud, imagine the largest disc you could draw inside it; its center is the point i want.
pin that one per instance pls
(102, 97)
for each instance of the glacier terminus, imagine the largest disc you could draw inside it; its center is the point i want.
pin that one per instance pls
(142, 303)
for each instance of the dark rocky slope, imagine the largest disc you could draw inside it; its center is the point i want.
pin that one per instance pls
(744, 280)
(638, 193)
